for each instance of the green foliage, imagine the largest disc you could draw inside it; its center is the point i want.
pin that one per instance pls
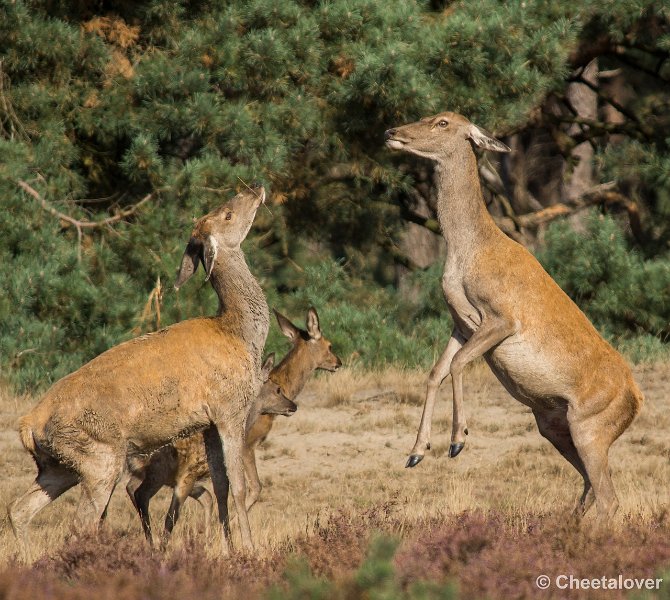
(375, 579)
(188, 100)
(368, 326)
(301, 584)
(624, 294)
(645, 170)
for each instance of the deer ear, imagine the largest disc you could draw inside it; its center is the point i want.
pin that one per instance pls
(267, 366)
(287, 328)
(189, 262)
(485, 140)
(209, 255)
(313, 327)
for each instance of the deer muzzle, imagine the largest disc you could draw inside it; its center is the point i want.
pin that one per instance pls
(392, 140)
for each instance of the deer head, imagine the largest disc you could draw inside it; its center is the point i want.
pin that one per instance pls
(222, 229)
(310, 343)
(271, 400)
(441, 136)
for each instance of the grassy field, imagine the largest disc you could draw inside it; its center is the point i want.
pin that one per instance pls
(334, 473)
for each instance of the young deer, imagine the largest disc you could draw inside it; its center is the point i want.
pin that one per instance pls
(309, 351)
(200, 374)
(182, 464)
(507, 309)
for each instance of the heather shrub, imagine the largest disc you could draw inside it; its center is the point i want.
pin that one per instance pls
(375, 579)
(369, 555)
(491, 558)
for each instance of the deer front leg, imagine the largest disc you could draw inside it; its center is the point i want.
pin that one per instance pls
(251, 471)
(251, 474)
(234, 444)
(220, 481)
(437, 376)
(489, 334)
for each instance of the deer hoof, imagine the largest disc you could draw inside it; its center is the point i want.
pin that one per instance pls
(455, 449)
(413, 460)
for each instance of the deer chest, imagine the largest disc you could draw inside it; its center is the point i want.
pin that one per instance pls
(465, 314)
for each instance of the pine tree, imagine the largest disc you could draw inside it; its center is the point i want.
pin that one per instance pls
(133, 117)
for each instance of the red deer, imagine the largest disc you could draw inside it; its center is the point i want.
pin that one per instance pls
(200, 374)
(506, 308)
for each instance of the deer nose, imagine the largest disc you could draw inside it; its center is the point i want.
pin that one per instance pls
(389, 133)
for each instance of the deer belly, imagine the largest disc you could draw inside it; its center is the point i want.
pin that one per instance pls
(161, 428)
(530, 374)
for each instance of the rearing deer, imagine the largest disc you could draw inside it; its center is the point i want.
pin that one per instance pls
(506, 308)
(183, 464)
(200, 374)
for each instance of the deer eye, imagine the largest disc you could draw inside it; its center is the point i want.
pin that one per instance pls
(443, 123)
(229, 216)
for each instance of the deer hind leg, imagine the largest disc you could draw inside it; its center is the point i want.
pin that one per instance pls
(437, 375)
(180, 492)
(132, 486)
(100, 473)
(141, 496)
(52, 480)
(205, 499)
(593, 435)
(594, 455)
(553, 426)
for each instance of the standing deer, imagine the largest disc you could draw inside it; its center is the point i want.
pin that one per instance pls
(309, 351)
(183, 464)
(506, 308)
(200, 374)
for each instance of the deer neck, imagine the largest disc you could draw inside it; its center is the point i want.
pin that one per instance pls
(253, 416)
(461, 211)
(242, 305)
(292, 373)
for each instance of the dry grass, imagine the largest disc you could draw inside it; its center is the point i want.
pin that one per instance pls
(346, 447)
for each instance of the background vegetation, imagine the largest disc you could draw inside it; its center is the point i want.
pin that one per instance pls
(126, 119)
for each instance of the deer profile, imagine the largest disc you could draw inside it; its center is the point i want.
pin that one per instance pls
(506, 308)
(197, 375)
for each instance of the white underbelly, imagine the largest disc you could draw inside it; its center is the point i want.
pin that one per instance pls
(530, 373)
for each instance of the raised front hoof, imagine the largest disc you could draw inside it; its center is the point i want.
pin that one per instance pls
(413, 460)
(455, 449)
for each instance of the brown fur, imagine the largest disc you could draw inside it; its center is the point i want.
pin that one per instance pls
(507, 309)
(139, 395)
(183, 465)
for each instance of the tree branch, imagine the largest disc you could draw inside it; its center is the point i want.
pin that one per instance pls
(612, 102)
(78, 224)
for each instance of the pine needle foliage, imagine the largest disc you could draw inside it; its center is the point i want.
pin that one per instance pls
(624, 294)
(104, 103)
